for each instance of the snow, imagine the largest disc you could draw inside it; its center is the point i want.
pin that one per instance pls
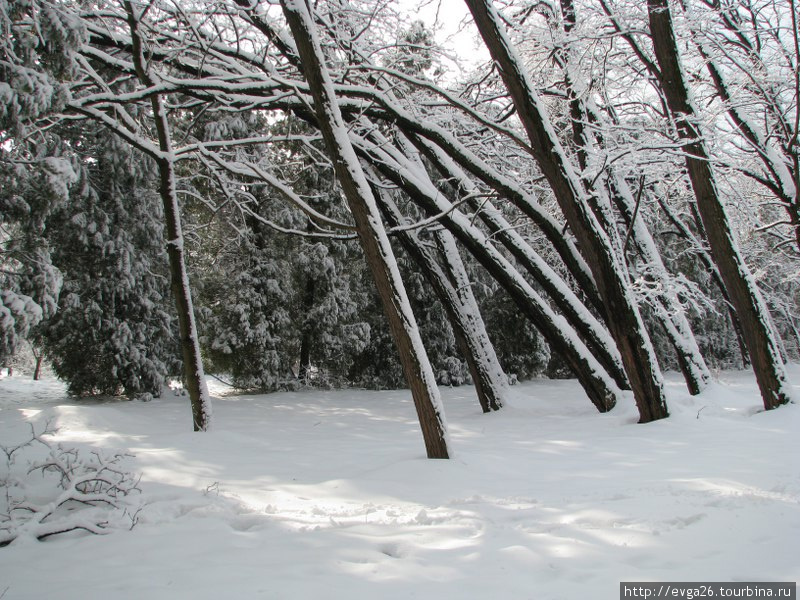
(328, 494)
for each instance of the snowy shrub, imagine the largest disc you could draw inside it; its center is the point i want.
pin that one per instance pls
(454, 372)
(48, 489)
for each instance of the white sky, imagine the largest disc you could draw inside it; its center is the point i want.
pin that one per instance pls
(452, 24)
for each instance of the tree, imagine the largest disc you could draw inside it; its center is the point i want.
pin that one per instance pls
(399, 169)
(179, 276)
(37, 50)
(588, 136)
(750, 50)
(281, 310)
(112, 332)
(561, 182)
(29, 282)
(622, 315)
(385, 109)
(418, 372)
(757, 329)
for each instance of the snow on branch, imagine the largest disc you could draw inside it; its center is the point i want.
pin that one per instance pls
(66, 489)
(254, 171)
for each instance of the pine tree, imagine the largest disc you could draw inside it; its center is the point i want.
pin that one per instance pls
(37, 46)
(113, 331)
(29, 282)
(281, 309)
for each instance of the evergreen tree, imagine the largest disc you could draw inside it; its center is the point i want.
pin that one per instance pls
(37, 46)
(281, 309)
(29, 282)
(246, 329)
(113, 331)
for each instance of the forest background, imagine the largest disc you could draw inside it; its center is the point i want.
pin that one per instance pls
(289, 195)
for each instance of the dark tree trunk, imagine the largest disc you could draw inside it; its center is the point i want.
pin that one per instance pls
(470, 334)
(179, 276)
(600, 386)
(622, 316)
(37, 371)
(745, 296)
(306, 333)
(179, 284)
(417, 369)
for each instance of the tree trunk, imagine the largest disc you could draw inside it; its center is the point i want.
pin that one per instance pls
(622, 315)
(598, 384)
(418, 372)
(468, 328)
(305, 338)
(179, 276)
(745, 296)
(37, 371)
(488, 376)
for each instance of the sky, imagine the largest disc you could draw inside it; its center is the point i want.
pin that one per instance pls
(453, 27)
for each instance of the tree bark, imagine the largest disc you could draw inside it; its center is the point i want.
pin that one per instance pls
(759, 336)
(305, 333)
(488, 376)
(418, 372)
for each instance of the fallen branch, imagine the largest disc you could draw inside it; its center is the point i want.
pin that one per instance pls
(82, 491)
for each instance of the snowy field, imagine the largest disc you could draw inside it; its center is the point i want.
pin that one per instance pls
(328, 495)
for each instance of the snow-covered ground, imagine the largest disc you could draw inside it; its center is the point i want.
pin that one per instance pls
(328, 495)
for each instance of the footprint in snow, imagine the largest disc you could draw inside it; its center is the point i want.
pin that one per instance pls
(392, 550)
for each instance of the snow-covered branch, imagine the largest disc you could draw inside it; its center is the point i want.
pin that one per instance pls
(67, 490)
